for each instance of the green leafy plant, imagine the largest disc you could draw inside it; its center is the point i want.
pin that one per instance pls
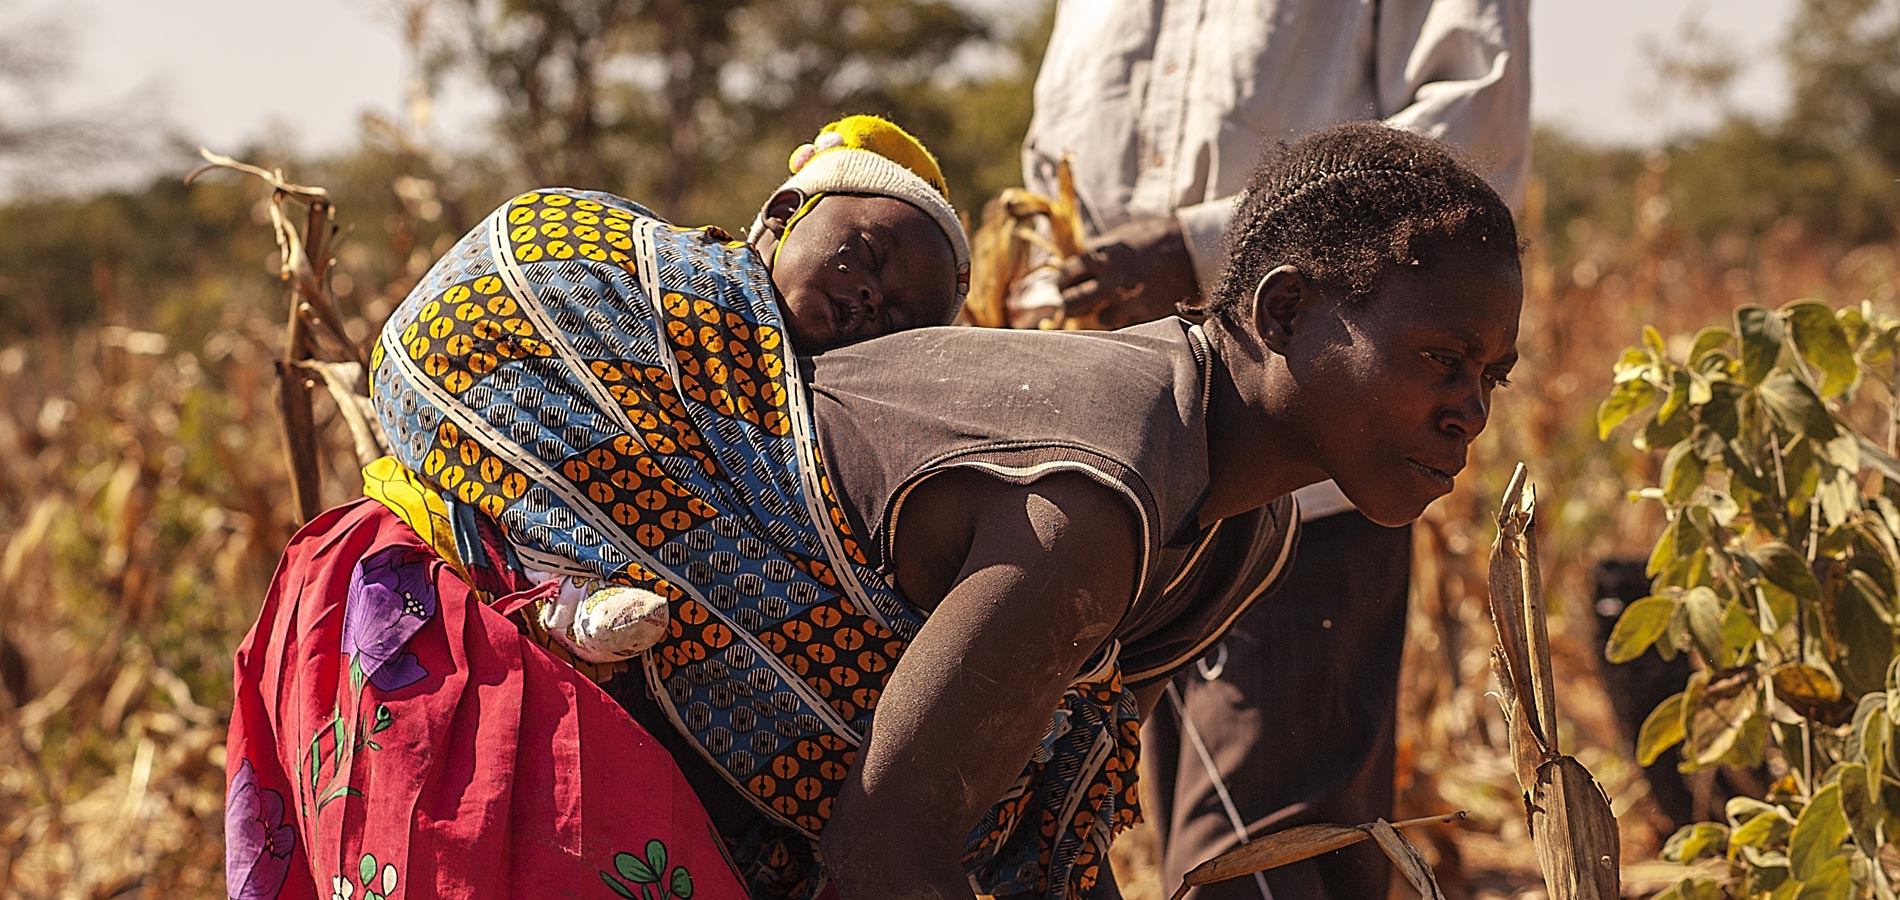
(1779, 571)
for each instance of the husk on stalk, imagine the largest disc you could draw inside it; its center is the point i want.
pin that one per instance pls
(1020, 233)
(1569, 816)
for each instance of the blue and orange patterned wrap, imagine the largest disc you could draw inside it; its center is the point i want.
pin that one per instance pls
(619, 396)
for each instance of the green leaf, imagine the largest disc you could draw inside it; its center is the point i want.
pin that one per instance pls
(1784, 568)
(1854, 322)
(1760, 331)
(1875, 732)
(366, 869)
(682, 883)
(1794, 405)
(1695, 887)
(1690, 842)
(316, 756)
(1722, 413)
(1704, 610)
(656, 858)
(1819, 338)
(1866, 638)
(1762, 830)
(1834, 880)
(384, 719)
(1860, 806)
(1868, 591)
(1640, 625)
(1682, 473)
(1661, 730)
(1678, 396)
(1664, 555)
(1628, 399)
(1781, 606)
(1739, 631)
(1653, 340)
(618, 888)
(1709, 339)
(634, 869)
(1818, 833)
(1634, 363)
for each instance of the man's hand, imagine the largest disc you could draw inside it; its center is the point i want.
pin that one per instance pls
(1134, 273)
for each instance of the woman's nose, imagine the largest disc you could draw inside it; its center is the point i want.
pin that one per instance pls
(1468, 413)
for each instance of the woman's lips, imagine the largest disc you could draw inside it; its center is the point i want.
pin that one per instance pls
(1434, 473)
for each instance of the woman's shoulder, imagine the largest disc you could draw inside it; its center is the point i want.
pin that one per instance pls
(1125, 408)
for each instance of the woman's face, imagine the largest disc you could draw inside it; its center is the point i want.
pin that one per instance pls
(856, 267)
(1396, 386)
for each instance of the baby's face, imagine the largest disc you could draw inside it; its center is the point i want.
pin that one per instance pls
(856, 267)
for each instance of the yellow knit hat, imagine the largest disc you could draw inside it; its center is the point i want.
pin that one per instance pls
(871, 155)
(880, 136)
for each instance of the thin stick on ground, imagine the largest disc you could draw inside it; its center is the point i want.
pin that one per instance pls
(1290, 846)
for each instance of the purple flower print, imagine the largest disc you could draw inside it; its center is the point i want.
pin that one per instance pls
(257, 841)
(391, 596)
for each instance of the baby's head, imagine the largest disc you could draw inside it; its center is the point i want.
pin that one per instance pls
(862, 241)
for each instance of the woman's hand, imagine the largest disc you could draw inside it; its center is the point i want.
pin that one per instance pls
(1033, 579)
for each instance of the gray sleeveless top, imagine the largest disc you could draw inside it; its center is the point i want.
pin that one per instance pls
(1126, 408)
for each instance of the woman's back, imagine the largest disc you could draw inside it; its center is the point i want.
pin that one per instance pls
(1126, 409)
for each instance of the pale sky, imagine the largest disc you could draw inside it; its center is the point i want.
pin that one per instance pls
(225, 71)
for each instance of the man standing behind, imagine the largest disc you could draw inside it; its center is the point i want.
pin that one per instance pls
(1166, 106)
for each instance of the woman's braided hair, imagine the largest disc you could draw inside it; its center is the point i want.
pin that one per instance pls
(1347, 204)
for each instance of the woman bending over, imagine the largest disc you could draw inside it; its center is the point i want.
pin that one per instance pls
(919, 588)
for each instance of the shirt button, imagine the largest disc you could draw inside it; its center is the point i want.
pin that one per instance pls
(1156, 159)
(1171, 68)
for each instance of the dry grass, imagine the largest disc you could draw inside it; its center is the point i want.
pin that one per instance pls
(148, 500)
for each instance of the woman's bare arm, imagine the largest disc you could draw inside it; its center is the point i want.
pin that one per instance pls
(1047, 571)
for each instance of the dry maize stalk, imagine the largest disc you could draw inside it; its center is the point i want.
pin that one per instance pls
(1569, 816)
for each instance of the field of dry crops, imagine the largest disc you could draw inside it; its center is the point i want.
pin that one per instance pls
(146, 500)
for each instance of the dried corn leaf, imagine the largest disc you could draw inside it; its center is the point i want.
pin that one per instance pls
(1575, 833)
(348, 388)
(1570, 820)
(1528, 752)
(1406, 859)
(1517, 607)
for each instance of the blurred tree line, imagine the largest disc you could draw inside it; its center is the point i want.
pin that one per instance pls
(692, 107)
(1829, 167)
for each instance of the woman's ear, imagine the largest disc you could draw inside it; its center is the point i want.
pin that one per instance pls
(1278, 300)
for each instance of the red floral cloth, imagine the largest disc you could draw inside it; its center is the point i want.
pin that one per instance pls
(395, 736)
